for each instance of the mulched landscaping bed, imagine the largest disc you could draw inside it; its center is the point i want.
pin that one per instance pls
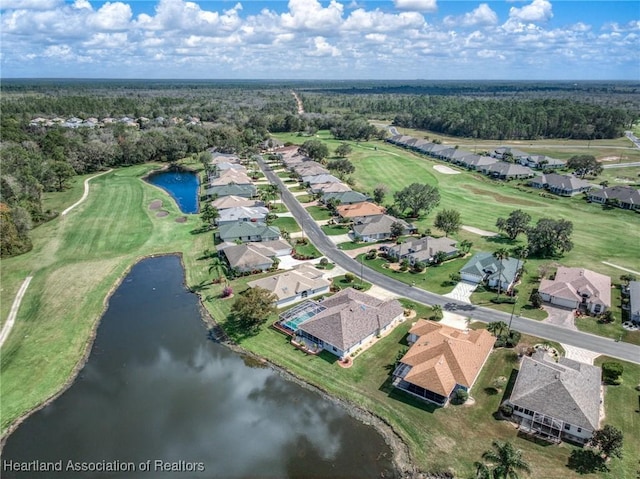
(155, 205)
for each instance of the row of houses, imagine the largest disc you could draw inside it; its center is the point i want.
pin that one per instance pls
(92, 122)
(522, 166)
(370, 223)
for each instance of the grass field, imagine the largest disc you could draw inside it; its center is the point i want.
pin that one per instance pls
(75, 262)
(319, 213)
(72, 278)
(481, 201)
(286, 223)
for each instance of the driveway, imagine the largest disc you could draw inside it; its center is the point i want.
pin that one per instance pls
(563, 317)
(462, 291)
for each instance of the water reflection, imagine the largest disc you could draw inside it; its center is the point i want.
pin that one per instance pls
(156, 389)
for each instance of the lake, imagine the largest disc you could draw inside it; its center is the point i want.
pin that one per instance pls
(181, 185)
(155, 388)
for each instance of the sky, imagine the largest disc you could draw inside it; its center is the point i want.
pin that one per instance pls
(312, 39)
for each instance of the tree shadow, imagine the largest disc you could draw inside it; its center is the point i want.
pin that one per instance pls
(201, 286)
(585, 461)
(202, 229)
(403, 397)
(239, 330)
(499, 240)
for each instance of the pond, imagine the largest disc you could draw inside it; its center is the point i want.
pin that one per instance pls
(157, 393)
(182, 185)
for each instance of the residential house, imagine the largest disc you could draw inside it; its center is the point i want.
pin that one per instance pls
(344, 197)
(247, 231)
(242, 213)
(441, 360)
(423, 250)
(224, 166)
(230, 176)
(253, 256)
(349, 320)
(233, 201)
(577, 288)
(563, 185)
(557, 400)
(245, 191)
(217, 157)
(304, 281)
(377, 227)
(329, 188)
(503, 170)
(542, 162)
(317, 179)
(364, 208)
(484, 267)
(634, 302)
(476, 162)
(506, 152)
(245, 258)
(625, 197)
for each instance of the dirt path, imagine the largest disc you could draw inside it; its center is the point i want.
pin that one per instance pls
(621, 268)
(6, 329)
(478, 231)
(299, 102)
(86, 192)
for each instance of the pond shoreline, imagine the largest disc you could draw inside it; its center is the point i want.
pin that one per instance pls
(179, 169)
(401, 459)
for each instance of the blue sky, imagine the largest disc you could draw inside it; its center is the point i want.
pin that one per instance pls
(311, 39)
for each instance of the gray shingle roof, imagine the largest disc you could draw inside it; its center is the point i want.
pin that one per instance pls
(238, 230)
(377, 224)
(350, 317)
(624, 194)
(567, 390)
(485, 263)
(561, 182)
(345, 197)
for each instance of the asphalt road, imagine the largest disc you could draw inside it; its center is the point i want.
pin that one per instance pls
(609, 347)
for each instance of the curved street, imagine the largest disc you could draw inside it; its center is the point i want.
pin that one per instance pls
(606, 346)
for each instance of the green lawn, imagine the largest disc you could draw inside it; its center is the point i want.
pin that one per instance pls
(319, 213)
(333, 230)
(75, 262)
(278, 208)
(304, 198)
(341, 282)
(622, 405)
(349, 245)
(307, 249)
(286, 223)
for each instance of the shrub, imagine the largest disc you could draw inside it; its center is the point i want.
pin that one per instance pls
(506, 409)
(419, 266)
(536, 300)
(324, 262)
(611, 372)
(461, 396)
(349, 277)
(227, 291)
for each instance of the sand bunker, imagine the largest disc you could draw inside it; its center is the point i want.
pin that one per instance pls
(478, 231)
(181, 219)
(162, 213)
(155, 205)
(446, 170)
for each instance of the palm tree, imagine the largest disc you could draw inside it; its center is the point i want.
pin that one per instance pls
(436, 309)
(220, 268)
(268, 193)
(465, 246)
(497, 328)
(501, 255)
(504, 461)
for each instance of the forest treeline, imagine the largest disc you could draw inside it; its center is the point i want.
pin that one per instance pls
(233, 117)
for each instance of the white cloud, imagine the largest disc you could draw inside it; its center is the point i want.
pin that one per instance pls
(417, 5)
(377, 21)
(311, 15)
(322, 48)
(30, 4)
(482, 15)
(82, 4)
(536, 11)
(111, 16)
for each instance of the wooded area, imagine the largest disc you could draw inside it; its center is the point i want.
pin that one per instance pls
(237, 116)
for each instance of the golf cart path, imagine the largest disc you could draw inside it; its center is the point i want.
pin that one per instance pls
(86, 192)
(6, 329)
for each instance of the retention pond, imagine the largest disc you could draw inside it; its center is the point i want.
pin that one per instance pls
(158, 399)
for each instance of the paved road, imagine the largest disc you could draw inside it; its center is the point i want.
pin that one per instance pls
(624, 351)
(620, 165)
(633, 138)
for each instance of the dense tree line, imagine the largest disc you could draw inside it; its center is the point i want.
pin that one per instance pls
(513, 119)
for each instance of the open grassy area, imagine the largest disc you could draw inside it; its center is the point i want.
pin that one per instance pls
(622, 411)
(342, 283)
(319, 213)
(333, 230)
(286, 223)
(75, 262)
(308, 250)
